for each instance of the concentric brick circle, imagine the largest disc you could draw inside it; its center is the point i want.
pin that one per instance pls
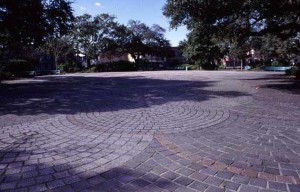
(169, 117)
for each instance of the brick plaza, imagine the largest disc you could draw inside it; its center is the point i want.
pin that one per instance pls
(151, 131)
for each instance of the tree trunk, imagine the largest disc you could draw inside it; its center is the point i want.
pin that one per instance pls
(55, 62)
(88, 62)
(138, 62)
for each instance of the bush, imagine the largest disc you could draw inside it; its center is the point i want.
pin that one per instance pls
(221, 67)
(113, 66)
(277, 63)
(294, 71)
(93, 69)
(122, 66)
(69, 67)
(208, 66)
(6, 76)
(18, 67)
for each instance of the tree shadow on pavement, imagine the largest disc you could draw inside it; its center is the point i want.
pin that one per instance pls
(287, 85)
(278, 82)
(30, 170)
(72, 94)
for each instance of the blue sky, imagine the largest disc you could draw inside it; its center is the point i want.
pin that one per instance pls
(146, 11)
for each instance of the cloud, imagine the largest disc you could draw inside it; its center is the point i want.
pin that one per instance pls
(82, 8)
(98, 4)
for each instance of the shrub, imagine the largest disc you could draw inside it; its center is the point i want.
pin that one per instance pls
(221, 66)
(69, 67)
(208, 66)
(297, 74)
(17, 67)
(93, 69)
(6, 76)
(294, 71)
(277, 63)
(123, 66)
(74, 70)
(189, 66)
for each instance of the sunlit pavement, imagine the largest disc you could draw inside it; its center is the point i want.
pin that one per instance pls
(151, 131)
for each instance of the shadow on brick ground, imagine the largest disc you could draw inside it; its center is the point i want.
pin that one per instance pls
(70, 95)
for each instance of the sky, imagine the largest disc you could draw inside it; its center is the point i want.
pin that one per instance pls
(146, 11)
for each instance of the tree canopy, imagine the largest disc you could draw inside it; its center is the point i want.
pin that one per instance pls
(26, 23)
(31, 29)
(103, 35)
(144, 40)
(240, 18)
(219, 22)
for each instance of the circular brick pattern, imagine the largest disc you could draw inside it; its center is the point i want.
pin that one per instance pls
(169, 117)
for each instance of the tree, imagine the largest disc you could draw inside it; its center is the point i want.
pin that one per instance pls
(59, 17)
(240, 18)
(94, 36)
(201, 49)
(144, 40)
(58, 47)
(271, 47)
(26, 23)
(233, 21)
(20, 26)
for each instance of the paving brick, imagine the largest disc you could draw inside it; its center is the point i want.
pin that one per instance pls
(225, 175)
(151, 177)
(199, 176)
(183, 181)
(26, 182)
(44, 179)
(7, 186)
(241, 179)
(166, 184)
(199, 186)
(214, 189)
(294, 188)
(230, 185)
(277, 186)
(213, 181)
(185, 171)
(184, 189)
(246, 188)
(258, 182)
(55, 184)
(140, 183)
(37, 188)
(170, 175)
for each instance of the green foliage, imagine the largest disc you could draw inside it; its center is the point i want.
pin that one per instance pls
(69, 67)
(101, 67)
(234, 27)
(6, 76)
(222, 66)
(231, 18)
(95, 35)
(58, 47)
(122, 66)
(25, 24)
(189, 66)
(294, 71)
(18, 67)
(114, 66)
(102, 35)
(93, 69)
(144, 40)
(277, 63)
